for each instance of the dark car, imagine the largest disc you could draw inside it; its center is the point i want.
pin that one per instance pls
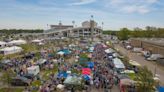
(20, 81)
(29, 76)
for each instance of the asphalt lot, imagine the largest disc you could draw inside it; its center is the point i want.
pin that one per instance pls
(138, 58)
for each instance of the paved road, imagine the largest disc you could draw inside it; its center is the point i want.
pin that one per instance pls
(136, 57)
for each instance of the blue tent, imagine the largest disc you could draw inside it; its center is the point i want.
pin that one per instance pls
(161, 89)
(90, 64)
(62, 74)
(66, 51)
(86, 77)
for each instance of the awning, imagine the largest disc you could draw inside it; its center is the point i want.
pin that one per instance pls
(86, 71)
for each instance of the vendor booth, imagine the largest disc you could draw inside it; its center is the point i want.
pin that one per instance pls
(34, 70)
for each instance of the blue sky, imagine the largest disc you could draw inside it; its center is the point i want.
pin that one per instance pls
(116, 14)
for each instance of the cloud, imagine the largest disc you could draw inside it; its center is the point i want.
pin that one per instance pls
(131, 6)
(138, 9)
(83, 2)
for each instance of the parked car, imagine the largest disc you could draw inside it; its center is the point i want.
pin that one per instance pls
(29, 76)
(128, 47)
(20, 81)
(154, 57)
(146, 54)
(160, 61)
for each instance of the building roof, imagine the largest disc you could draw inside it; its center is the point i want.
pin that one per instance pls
(61, 25)
(155, 41)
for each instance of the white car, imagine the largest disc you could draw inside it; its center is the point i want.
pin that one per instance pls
(154, 57)
(128, 47)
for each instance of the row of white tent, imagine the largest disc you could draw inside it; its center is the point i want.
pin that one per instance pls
(14, 42)
(116, 61)
(10, 50)
(19, 42)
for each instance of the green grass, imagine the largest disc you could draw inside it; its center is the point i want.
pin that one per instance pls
(11, 90)
(46, 73)
(36, 83)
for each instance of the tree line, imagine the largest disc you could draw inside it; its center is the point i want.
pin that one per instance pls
(149, 32)
(16, 31)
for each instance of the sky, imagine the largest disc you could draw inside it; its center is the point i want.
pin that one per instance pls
(115, 14)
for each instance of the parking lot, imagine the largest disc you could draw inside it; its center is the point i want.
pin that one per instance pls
(137, 57)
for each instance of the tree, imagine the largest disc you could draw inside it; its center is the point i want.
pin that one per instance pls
(145, 80)
(7, 77)
(123, 34)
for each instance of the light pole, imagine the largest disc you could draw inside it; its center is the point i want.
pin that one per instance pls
(102, 25)
(92, 26)
(73, 22)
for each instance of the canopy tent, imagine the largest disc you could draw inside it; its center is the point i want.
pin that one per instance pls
(73, 80)
(62, 75)
(60, 53)
(118, 63)
(2, 44)
(104, 46)
(126, 82)
(128, 71)
(89, 55)
(41, 61)
(60, 86)
(134, 63)
(17, 42)
(91, 49)
(110, 50)
(161, 89)
(11, 50)
(65, 51)
(86, 77)
(90, 64)
(82, 60)
(86, 71)
(36, 41)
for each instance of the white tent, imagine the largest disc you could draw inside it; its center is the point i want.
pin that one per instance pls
(128, 71)
(60, 53)
(134, 63)
(110, 50)
(17, 42)
(118, 63)
(2, 44)
(60, 86)
(33, 70)
(11, 50)
(36, 41)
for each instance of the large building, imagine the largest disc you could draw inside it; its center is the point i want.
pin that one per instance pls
(154, 45)
(88, 29)
(60, 26)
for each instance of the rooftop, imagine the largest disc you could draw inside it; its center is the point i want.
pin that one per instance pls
(156, 41)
